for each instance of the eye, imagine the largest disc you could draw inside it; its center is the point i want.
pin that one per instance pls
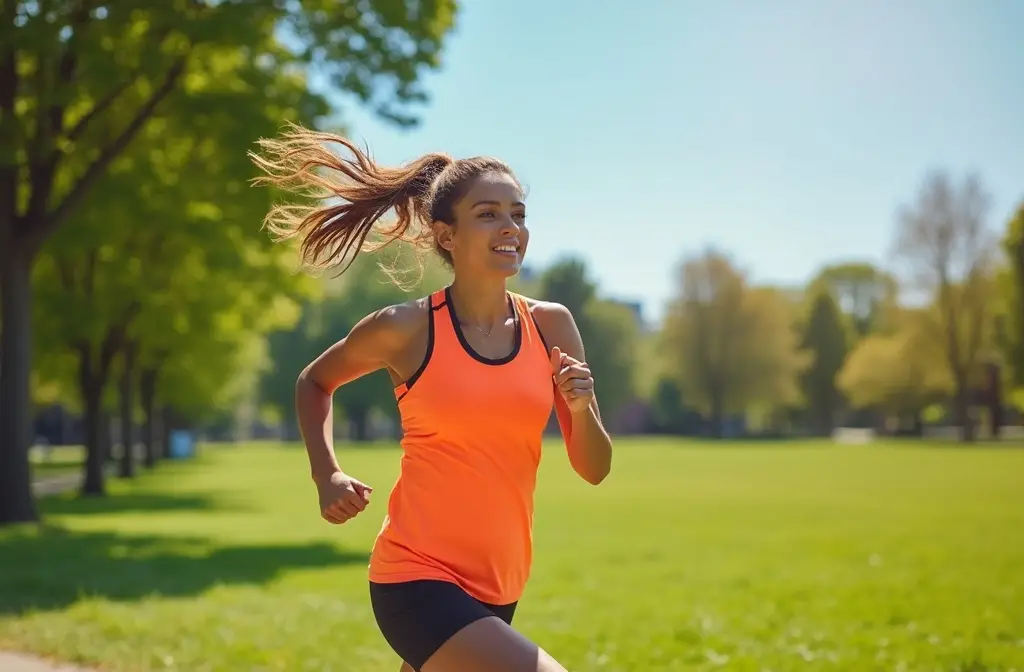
(519, 215)
(487, 213)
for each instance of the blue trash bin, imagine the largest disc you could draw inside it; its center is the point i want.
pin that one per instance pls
(182, 446)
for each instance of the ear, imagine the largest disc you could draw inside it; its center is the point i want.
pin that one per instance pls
(443, 234)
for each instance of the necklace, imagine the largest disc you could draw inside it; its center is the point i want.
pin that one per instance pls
(486, 333)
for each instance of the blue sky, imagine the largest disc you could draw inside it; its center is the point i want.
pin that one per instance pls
(784, 132)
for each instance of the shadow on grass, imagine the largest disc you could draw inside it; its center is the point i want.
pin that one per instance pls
(71, 504)
(50, 568)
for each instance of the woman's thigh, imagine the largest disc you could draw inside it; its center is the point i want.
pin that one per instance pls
(490, 644)
(418, 617)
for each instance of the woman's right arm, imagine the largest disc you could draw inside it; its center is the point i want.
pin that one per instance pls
(369, 346)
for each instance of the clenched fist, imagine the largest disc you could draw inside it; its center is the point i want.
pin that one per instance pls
(573, 380)
(342, 497)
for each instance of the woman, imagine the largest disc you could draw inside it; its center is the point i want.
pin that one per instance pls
(476, 370)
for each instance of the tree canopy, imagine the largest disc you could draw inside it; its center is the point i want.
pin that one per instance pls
(80, 86)
(731, 345)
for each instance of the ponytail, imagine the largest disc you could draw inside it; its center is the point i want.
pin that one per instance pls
(334, 234)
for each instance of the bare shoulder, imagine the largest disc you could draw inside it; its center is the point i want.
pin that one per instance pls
(381, 339)
(549, 312)
(557, 325)
(398, 324)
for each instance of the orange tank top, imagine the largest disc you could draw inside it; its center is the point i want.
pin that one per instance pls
(462, 508)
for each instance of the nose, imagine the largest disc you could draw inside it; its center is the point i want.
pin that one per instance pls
(510, 226)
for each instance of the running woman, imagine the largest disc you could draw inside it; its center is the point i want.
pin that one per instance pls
(476, 370)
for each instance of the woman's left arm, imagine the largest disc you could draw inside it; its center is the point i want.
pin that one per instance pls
(588, 444)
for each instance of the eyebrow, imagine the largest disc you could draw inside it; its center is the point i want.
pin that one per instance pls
(497, 203)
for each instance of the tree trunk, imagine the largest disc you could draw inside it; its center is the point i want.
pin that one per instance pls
(995, 400)
(91, 382)
(94, 483)
(166, 426)
(360, 419)
(147, 397)
(127, 412)
(717, 419)
(17, 504)
(962, 412)
(917, 424)
(827, 419)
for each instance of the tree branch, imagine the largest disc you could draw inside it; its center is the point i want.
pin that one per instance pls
(103, 104)
(43, 160)
(116, 338)
(96, 169)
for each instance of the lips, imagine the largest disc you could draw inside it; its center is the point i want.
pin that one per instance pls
(507, 248)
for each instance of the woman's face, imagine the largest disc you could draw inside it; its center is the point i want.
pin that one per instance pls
(490, 234)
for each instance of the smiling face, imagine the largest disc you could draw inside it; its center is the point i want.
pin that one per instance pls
(489, 234)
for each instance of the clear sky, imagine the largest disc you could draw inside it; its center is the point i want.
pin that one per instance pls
(785, 132)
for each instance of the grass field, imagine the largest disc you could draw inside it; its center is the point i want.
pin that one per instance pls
(58, 462)
(690, 557)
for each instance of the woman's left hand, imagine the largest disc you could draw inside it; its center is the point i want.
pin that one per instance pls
(573, 380)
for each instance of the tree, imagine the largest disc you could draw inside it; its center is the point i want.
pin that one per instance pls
(567, 281)
(861, 290)
(79, 81)
(731, 345)
(110, 286)
(945, 248)
(824, 338)
(1013, 291)
(609, 329)
(900, 374)
(612, 341)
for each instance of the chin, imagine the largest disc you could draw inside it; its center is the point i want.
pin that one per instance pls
(510, 270)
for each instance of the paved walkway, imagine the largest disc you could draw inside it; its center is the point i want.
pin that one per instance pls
(54, 485)
(14, 662)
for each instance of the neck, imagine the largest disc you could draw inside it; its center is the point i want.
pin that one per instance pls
(484, 304)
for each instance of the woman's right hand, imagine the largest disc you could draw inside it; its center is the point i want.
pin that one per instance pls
(342, 497)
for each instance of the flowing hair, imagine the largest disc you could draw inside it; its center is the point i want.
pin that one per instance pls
(332, 233)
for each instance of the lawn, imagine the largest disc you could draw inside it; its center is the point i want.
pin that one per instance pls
(59, 461)
(690, 557)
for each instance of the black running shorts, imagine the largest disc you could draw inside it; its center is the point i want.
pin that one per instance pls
(418, 617)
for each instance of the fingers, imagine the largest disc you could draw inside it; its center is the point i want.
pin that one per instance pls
(556, 359)
(347, 507)
(577, 388)
(333, 516)
(572, 378)
(572, 370)
(362, 490)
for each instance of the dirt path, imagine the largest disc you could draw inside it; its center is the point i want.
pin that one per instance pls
(15, 662)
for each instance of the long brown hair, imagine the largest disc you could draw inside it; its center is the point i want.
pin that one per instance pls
(332, 234)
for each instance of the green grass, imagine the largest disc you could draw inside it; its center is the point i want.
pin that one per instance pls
(62, 460)
(690, 557)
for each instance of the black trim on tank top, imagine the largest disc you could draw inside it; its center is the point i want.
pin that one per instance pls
(431, 309)
(516, 345)
(544, 341)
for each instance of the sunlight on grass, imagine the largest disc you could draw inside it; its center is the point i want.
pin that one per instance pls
(690, 557)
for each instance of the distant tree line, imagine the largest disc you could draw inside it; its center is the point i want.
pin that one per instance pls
(937, 334)
(934, 336)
